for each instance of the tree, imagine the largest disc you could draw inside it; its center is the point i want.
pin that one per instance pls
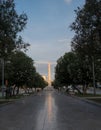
(87, 27)
(22, 67)
(39, 82)
(10, 25)
(72, 70)
(20, 71)
(62, 76)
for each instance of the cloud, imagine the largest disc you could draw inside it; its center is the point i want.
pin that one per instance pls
(44, 51)
(68, 41)
(68, 1)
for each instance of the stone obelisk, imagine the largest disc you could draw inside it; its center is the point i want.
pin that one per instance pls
(49, 74)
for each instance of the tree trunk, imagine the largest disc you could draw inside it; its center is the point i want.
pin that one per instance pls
(17, 90)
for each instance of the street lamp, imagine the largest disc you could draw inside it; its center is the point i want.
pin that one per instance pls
(2, 62)
(93, 67)
(93, 73)
(3, 88)
(2, 59)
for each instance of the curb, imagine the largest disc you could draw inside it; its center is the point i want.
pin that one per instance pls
(9, 102)
(83, 99)
(14, 100)
(91, 102)
(87, 101)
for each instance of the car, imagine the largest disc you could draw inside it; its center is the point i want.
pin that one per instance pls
(98, 85)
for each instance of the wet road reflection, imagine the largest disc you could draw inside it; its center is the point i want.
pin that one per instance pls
(46, 118)
(50, 110)
(49, 103)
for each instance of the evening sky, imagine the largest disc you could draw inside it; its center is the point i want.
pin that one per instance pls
(47, 30)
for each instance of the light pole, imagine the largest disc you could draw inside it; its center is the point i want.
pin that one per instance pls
(2, 66)
(93, 66)
(2, 62)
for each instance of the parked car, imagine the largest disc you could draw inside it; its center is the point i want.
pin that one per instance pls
(98, 85)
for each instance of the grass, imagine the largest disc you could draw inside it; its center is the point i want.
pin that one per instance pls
(12, 98)
(2, 102)
(9, 99)
(98, 100)
(88, 95)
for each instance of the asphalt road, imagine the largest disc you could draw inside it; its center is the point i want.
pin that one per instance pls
(50, 111)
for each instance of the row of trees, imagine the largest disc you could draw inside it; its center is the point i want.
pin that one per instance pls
(72, 70)
(82, 65)
(21, 72)
(16, 67)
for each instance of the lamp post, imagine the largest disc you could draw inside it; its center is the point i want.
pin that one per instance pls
(2, 61)
(93, 67)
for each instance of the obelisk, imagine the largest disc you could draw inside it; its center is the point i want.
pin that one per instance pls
(49, 74)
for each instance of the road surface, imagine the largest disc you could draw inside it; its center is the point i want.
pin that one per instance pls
(50, 111)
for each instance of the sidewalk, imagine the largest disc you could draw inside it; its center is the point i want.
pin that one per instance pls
(97, 97)
(89, 100)
(0, 94)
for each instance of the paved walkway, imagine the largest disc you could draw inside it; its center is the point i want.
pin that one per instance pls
(50, 111)
(0, 94)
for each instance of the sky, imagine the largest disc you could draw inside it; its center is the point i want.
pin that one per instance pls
(48, 29)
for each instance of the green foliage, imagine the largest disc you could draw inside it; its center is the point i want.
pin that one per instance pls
(62, 70)
(10, 25)
(87, 40)
(70, 69)
(87, 26)
(39, 82)
(20, 70)
(56, 83)
(76, 67)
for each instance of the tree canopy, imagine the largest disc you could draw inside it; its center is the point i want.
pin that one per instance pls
(11, 23)
(71, 70)
(87, 27)
(23, 69)
(76, 67)
(18, 68)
